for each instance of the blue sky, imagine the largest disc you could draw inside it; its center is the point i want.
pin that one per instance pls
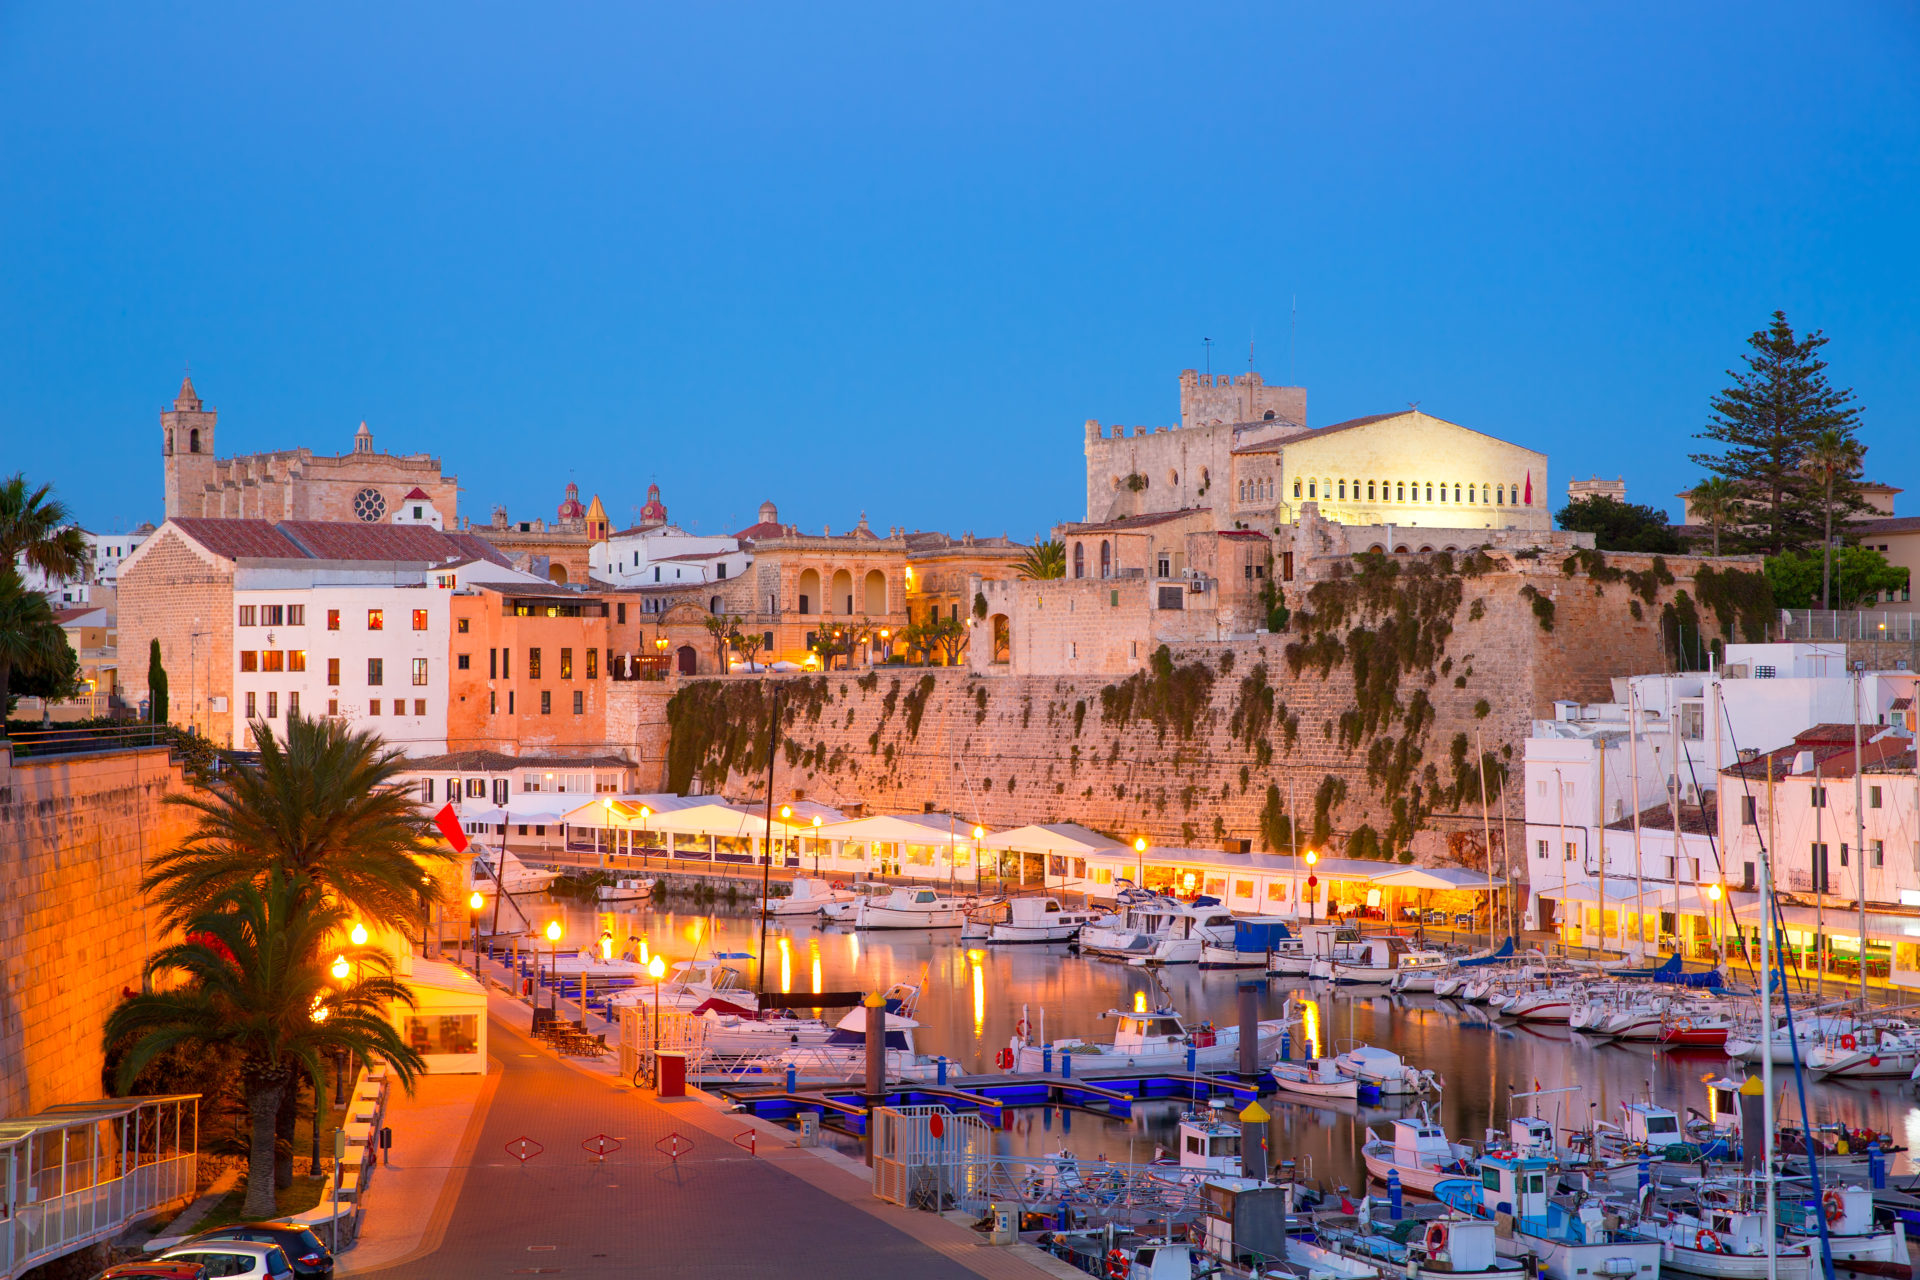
(891, 257)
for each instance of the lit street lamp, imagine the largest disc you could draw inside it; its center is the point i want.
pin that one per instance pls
(656, 969)
(359, 934)
(475, 901)
(1313, 883)
(553, 972)
(1140, 862)
(816, 845)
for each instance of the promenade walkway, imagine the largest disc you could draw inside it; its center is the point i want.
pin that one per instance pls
(717, 1211)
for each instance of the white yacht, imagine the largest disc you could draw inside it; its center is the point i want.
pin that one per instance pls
(1419, 971)
(1386, 1071)
(1156, 1041)
(1025, 920)
(910, 908)
(809, 897)
(625, 891)
(513, 877)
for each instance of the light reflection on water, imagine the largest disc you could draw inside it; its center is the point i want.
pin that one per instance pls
(975, 996)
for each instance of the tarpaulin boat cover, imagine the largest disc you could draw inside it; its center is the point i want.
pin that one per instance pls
(1258, 936)
(1504, 953)
(1668, 971)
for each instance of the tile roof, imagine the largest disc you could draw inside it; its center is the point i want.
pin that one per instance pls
(1886, 524)
(1695, 820)
(1832, 748)
(1248, 534)
(335, 540)
(764, 529)
(497, 762)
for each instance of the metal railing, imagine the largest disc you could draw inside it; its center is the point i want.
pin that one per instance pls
(1848, 624)
(48, 742)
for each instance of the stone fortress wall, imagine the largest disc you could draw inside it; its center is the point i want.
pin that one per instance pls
(1373, 710)
(75, 834)
(1190, 465)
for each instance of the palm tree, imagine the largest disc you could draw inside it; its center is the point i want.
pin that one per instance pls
(1831, 455)
(38, 526)
(323, 805)
(256, 980)
(30, 639)
(1044, 560)
(1717, 501)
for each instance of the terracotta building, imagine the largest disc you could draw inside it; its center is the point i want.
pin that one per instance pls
(802, 587)
(528, 671)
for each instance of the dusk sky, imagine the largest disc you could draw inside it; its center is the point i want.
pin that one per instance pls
(890, 258)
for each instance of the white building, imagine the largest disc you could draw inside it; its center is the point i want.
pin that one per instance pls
(363, 641)
(666, 556)
(105, 552)
(1603, 784)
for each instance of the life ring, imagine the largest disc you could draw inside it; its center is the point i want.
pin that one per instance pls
(1436, 1237)
(1020, 1028)
(1848, 1043)
(1117, 1265)
(1707, 1242)
(1834, 1206)
(1004, 1059)
(839, 884)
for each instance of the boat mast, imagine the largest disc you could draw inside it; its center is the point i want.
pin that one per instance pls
(766, 850)
(1600, 807)
(1819, 881)
(1486, 828)
(1766, 1027)
(1639, 871)
(1859, 836)
(1673, 800)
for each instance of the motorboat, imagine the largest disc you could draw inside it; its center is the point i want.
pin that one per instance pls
(1320, 946)
(810, 896)
(844, 1052)
(910, 908)
(1371, 963)
(1386, 1071)
(1025, 920)
(1568, 1240)
(1209, 1146)
(691, 984)
(842, 910)
(1878, 1049)
(1852, 1232)
(1719, 1230)
(512, 877)
(625, 891)
(1445, 1243)
(1252, 947)
(1419, 1152)
(726, 1032)
(1419, 971)
(1315, 1078)
(1156, 1040)
(1160, 930)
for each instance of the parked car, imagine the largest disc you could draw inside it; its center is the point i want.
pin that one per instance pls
(154, 1269)
(235, 1258)
(309, 1255)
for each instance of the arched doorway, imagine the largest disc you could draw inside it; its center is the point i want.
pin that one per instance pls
(1106, 559)
(810, 592)
(842, 594)
(685, 660)
(1002, 638)
(1079, 559)
(876, 592)
(556, 573)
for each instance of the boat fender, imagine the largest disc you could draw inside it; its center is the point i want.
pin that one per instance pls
(1848, 1043)
(1117, 1265)
(1436, 1237)
(1707, 1242)
(1831, 1202)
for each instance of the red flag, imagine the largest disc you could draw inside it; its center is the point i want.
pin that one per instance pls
(1529, 497)
(449, 823)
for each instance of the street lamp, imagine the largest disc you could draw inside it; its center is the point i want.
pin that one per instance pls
(475, 902)
(359, 934)
(607, 806)
(606, 944)
(979, 834)
(646, 815)
(340, 968)
(1140, 862)
(553, 972)
(1714, 893)
(816, 845)
(1313, 883)
(656, 969)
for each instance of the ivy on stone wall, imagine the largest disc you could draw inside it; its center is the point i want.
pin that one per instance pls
(1169, 696)
(1742, 596)
(917, 704)
(715, 727)
(1276, 828)
(1252, 708)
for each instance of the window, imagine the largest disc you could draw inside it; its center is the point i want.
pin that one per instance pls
(273, 660)
(419, 671)
(620, 612)
(246, 615)
(461, 625)
(273, 705)
(1843, 853)
(806, 605)
(579, 702)
(1542, 846)
(273, 615)
(293, 704)
(249, 660)
(333, 671)
(546, 702)
(1819, 859)
(443, 1033)
(493, 703)
(1873, 797)
(1879, 850)
(1573, 850)
(1693, 721)
(721, 569)
(509, 702)
(419, 706)
(593, 664)
(1400, 492)
(251, 710)
(333, 619)
(376, 671)
(373, 707)
(1296, 488)
(533, 664)
(333, 706)
(566, 663)
(504, 655)
(376, 620)
(493, 664)
(1749, 816)
(462, 661)
(419, 619)
(296, 659)
(1819, 797)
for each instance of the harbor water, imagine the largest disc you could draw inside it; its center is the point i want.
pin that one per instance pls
(975, 995)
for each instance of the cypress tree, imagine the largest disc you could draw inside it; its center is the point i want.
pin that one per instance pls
(157, 683)
(1767, 421)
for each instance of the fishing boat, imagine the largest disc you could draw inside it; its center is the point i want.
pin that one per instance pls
(841, 910)
(1568, 1241)
(625, 891)
(1437, 1241)
(1719, 1230)
(1372, 963)
(1156, 1040)
(1296, 958)
(910, 908)
(810, 897)
(1859, 1244)
(1315, 1078)
(1386, 1071)
(1025, 920)
(1419, 1151)
(1209, 1145)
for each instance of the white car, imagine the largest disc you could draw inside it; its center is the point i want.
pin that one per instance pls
(235, 1258)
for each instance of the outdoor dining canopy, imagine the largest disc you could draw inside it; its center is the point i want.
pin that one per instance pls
(905, 844)
(1034, 853)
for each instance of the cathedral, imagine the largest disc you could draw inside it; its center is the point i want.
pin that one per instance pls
(297, 484)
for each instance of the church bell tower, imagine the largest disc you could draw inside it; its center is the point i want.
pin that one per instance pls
(186, 447)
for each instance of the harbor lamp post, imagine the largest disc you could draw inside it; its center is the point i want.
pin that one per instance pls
(475, 902)
(816, 846)
(1140, 862)
(979, 834)
(1714, 894)
(786, 816)
(646, 816)
(656, 969)
(606, 807)
(553, 970)
(340, 970)
(1313, 884)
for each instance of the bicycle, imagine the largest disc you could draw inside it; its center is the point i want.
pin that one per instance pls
(647, 1074)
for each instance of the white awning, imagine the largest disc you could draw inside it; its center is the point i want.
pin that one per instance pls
(923, 829)
(1069, 838)
(1437, 879)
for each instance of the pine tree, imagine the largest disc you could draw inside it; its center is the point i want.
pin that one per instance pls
(156, 683)
(1767, 420)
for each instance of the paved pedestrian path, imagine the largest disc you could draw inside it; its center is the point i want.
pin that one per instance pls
(716, 1211)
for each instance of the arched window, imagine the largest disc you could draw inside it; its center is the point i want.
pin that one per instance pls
(193, 440)
(1429, 491)
(713, 605)
(1106, 558)
(1296, 488)
(1456, 493)
(1472, 498)
(1343, 490)
(1269, 417)
(1443, 491)
(875, 590)
(1500, 496)
(1400, 492)
(1080, 559)
(1369, 491)
(1173, 477)
(809, 591)
(842, 592)
(1310, 489)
